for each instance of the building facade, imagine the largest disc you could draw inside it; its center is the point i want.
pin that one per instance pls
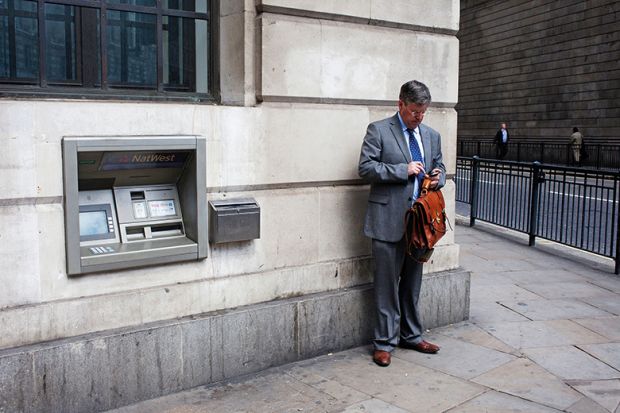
(542, 67)
(282, 92)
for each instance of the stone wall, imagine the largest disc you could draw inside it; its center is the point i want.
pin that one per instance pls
(101, 371)
(540, 66)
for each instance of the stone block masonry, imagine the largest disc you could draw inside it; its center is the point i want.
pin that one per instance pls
(101, 371)
(543, 67)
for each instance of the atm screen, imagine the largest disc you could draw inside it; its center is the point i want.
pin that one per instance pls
(93, 223)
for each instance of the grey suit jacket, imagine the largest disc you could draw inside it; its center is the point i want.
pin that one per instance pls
(383, 163)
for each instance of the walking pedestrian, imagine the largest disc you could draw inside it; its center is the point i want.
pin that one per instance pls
(576, 141)
(501, 141)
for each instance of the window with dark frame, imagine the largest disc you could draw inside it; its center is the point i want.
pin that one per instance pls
(148, 47)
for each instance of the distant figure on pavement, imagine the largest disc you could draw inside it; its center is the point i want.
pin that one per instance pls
(576, 140)
(501, 141)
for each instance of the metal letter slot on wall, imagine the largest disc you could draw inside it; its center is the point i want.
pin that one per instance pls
(234, 220)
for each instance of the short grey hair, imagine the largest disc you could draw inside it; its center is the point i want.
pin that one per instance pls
(415, 92)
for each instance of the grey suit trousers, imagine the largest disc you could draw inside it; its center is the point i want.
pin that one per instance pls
(398, 280)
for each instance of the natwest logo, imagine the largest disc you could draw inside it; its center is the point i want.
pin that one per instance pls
(112, 161)
(153, 157)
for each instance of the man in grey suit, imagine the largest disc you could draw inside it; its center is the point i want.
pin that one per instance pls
(396, 154)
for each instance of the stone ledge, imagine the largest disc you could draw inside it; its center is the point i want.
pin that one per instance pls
(106, 370)
(402, 14)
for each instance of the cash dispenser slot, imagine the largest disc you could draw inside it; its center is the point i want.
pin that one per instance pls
(143, 232)
(134, 202)
(173, 229)
(134, 233)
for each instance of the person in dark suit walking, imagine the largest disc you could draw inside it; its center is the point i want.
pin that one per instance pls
(501, 141)
(396, 154)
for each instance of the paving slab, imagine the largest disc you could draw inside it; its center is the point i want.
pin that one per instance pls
(328, 386)
(609, 303)
(328, 366)
(477, 264)
(555, 309)
(585, 264)
(549, 333)
(373, 406)
(472, 333)
(489, 312)
(608, 353)
(498, 247)
(570, 363)
(609, 282)
(586, 405)
(502, 292)
(495, 402)
(404, 384)
(484, 278)
(430, 393)
(571, 289)
(545, 275)
(465, 232)
(450, 358)
(608, 327)
(525, 379)
(604, 392)
(521, 262)
(262, 393)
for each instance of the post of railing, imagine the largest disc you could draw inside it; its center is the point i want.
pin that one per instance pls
(518, 151)
(473, 188)
(598, 156)
(542, 152)
(477, 148)
(535, 178)
(617, 197)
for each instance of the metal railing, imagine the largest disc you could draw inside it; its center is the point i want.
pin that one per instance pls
(572, 206)
(599, 156)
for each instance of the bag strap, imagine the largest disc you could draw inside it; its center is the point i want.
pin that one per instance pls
(426, 185)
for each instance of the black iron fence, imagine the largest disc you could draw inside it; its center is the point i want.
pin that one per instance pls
(595, 155)
(573, 206)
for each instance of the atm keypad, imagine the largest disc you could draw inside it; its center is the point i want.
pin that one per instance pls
(101, 250)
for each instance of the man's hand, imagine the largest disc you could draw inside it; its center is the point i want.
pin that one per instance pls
(414, 168)
(435, 175)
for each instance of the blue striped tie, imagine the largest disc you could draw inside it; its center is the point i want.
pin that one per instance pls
(416, 156)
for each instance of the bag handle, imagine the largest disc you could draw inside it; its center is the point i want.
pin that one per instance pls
(426, 185)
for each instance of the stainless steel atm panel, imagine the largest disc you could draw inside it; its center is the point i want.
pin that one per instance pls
(134, 201)
(149, 212)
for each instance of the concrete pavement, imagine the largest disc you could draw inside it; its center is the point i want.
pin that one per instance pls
(543, 336)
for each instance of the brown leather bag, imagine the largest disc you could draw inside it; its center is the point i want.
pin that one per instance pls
(425, 222)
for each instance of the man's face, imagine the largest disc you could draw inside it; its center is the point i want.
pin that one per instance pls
(412, 114)
(503, 126)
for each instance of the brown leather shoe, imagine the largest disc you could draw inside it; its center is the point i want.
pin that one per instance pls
(382, 358)
(422, 347)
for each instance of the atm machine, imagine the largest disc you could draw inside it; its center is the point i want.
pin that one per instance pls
(134, 201)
